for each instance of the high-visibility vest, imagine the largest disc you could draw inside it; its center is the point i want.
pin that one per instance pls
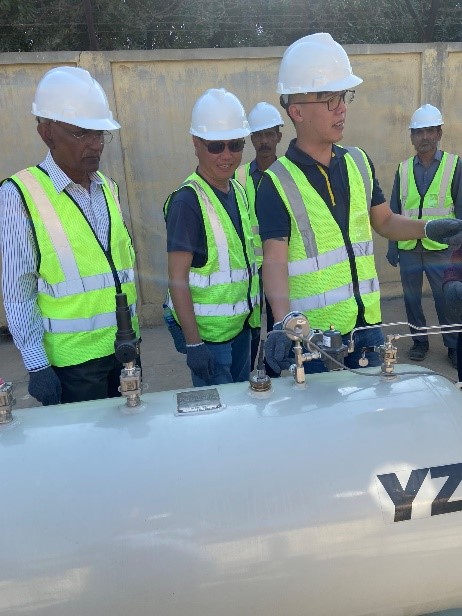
(77, 278)
(436, 203)
(225, 291)
(325, 274)
(244, 178)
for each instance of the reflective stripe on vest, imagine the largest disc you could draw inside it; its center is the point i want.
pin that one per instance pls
(415, 206)
(225, 290)
(357, 156)
(321, 282)
(244, 178)
(88, 283)
(334, 296)
(327, 259)
(54, 228)
(209, 280)
(68, 326)
(224, 310)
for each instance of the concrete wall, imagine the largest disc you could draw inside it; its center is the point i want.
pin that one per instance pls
(152, 93)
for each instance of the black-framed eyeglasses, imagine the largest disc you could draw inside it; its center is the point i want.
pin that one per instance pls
(333, 103)
(88, 136)
(217, 147)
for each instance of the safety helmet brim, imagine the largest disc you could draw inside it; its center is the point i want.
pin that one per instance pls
(332, 86)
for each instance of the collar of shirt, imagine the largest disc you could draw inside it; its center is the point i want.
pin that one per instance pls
(254, 170)
(253, 167)
(296, 155)
(59, 179)
(437, 157)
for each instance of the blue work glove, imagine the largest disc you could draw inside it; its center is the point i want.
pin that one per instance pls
(45, 386)
(392, 254)
(445, 231)
(453, 298)
(200, 361)
(277, 349)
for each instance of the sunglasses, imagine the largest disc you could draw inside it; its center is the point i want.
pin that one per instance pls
(217, 147)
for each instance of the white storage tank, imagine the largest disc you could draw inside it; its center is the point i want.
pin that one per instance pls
(341, 497)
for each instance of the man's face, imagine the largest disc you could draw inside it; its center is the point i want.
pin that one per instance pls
(426, 139)
(314, 119)
(218, 168)
(265, 142)
(75, 150)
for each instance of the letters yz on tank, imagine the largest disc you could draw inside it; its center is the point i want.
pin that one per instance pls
(404, 498)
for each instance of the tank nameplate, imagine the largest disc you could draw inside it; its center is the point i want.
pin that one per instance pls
(198, 401)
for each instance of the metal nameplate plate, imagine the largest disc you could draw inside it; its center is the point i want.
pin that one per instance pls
(198, 401)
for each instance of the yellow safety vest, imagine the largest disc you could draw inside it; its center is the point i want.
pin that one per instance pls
(244, 178)
(77, 279)
(225, 291)
(324, 273)
(436, 203)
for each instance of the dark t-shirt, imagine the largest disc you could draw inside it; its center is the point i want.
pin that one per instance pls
(185, 225)
(273, 218)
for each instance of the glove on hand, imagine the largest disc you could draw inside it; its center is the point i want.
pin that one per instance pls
(200, 361)
(392, 254)
(45, 386)
(277, 349)
(453, 298)
(445, 231)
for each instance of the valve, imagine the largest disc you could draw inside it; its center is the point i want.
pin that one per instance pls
(334, 349)
(6, 402)
(126, 351)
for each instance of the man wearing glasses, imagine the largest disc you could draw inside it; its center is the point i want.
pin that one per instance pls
(65, 249)
(316, 206)
(212, 273)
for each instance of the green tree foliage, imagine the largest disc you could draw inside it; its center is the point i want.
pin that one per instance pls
(52, 25)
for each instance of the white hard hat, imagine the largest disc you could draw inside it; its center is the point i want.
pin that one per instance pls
(70, 94)
(218, 114)
(426, 116)
(264, 115)
(315, 63)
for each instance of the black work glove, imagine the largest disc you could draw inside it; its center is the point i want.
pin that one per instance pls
(445, 231)
(392, 254)
(277, 349)
(200, 360)
(453, 298)
(45, 386)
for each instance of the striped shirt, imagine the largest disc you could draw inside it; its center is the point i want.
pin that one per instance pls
(19, 256)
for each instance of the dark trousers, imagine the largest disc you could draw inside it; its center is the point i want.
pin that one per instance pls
(459, 356)
(93, 380)
(413, 264)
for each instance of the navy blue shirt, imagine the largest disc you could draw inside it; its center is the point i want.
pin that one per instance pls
(185, 225)
(273, 218)
(255, 173)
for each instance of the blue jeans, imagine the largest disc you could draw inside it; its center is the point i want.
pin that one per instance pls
(412, 265)
(365, 338)
(232, 361)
